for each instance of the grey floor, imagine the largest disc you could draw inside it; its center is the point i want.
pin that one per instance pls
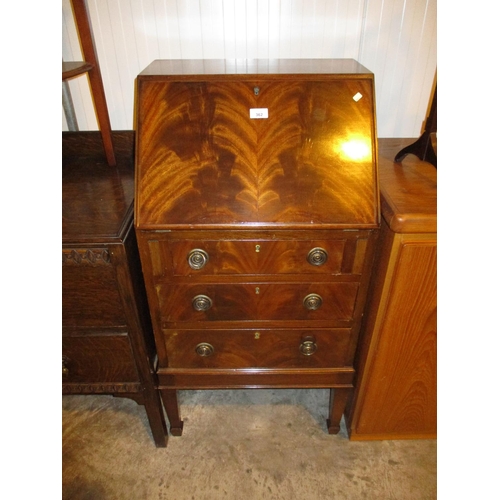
(245, 445)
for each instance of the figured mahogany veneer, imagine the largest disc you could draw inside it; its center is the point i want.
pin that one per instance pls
(292, 168)
(257, 301)
(258, 348)
(257, 210)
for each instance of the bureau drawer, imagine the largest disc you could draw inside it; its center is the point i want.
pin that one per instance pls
(257, 301)
(183, 258)
(257, 348)
(98, 359)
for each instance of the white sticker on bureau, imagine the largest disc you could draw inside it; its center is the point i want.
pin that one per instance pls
(259, 113)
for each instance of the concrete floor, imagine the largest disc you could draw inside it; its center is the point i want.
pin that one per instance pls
(236, 445)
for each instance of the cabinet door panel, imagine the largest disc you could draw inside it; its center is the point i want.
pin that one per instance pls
(98, 359)
(406, 350)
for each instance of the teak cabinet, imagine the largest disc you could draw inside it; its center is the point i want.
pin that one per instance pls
(396, 387)
(107, 343)
(256, 212)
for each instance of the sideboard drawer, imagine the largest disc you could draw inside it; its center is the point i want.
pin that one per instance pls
(98, 359)
(257, 301)
(257, 348)
(90, 292)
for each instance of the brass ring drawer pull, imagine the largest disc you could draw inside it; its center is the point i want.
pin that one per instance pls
(65, 369)
(197, 258)
(204, 349)
(312, 301)
(202, 303)
(317, 256)
(308, 346)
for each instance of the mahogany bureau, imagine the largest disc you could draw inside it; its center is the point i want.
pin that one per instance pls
(107, 342)
(256, 211)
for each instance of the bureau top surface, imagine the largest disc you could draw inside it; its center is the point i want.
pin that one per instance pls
(280, 143)
(203, 69)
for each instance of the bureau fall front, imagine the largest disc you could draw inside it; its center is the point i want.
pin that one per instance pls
(256, 212)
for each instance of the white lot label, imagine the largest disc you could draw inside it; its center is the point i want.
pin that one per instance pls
(259, 113)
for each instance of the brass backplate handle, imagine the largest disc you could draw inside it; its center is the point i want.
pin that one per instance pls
(312, 301)
(65, 369)
(204, 349)
(197, 258)
(202, 303)
(308, 346)
(317, 256)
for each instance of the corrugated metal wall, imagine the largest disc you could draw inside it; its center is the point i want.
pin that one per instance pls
(396, 39)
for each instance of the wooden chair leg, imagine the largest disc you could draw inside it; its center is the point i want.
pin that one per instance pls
(102, 115)
(169, 397)
(84, 27)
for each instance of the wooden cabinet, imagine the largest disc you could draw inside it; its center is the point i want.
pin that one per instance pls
(107, 344)
(257, 211)
(396, 388)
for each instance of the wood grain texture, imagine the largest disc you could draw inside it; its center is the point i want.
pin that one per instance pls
(99, 359)
(251, 378)
(396, 388)
(312, 161)
(96, 199)
(258, 348)
(224, 69)
(258, 302)
(409, 190)
(257, 257)
(403, 398)
(107, 339)
(255, 196)
(90, 296)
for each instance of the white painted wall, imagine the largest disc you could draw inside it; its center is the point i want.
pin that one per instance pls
(396, 39)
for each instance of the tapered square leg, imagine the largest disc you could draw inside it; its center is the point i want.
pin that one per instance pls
(169, 397)
(338, 401)
(154, 411)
